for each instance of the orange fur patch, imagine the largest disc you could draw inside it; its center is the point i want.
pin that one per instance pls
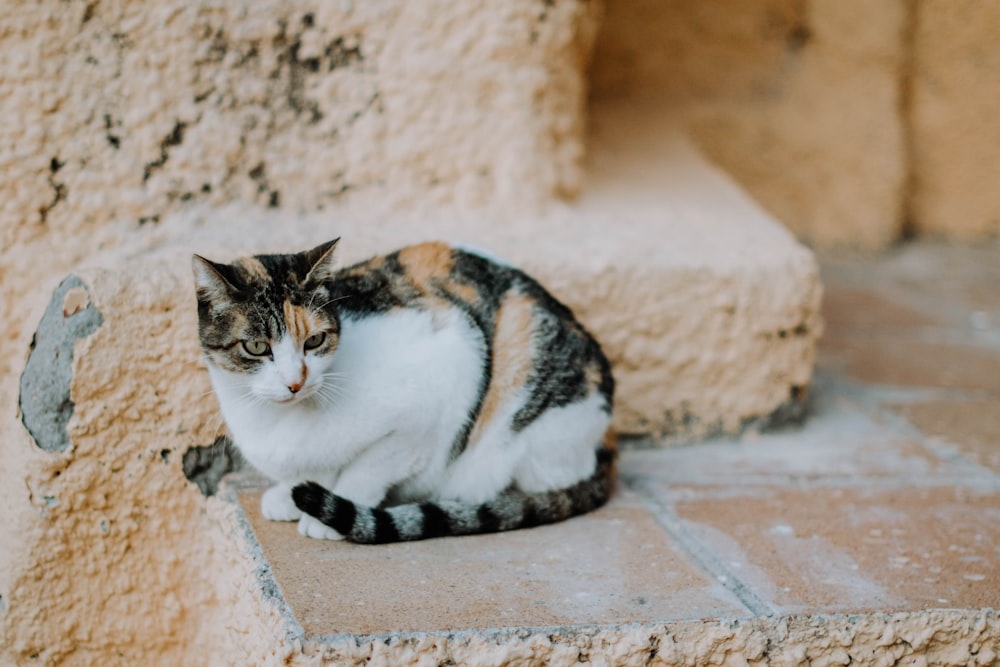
(593, 374)
(611, 445)
(373, 264)
(463, 291)
(425, 262)
(611, 440)
(254, 268)
(513, 353)
(300, 322)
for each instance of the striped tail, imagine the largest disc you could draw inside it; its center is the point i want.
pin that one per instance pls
(510, 510)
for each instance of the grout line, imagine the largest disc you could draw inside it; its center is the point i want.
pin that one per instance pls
(941, 449)
(702, 554)
(879, 394)
(874, 397)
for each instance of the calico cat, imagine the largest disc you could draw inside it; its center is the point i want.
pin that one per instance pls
(433, 391)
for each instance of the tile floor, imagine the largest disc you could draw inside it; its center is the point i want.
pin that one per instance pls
(887, 499)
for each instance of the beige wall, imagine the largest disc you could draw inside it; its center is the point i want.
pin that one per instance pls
(806, 119)
(853, 122)
(129, 110)
(118, 114)
(955, 120)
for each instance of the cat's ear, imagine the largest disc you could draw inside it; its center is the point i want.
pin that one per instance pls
(208, 278)
(321, 262)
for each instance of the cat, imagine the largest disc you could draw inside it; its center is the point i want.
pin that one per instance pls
(429, 392)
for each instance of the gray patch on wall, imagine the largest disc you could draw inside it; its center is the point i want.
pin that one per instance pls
(45, 403)
(205, 466)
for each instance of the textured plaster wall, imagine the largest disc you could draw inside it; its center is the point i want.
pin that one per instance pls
(117, 114)
(855, 123)
(126, 110)
(109, 555)
(956, 137)
(800, 100)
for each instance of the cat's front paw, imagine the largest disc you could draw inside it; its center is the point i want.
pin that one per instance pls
(277, 505)
(312, 527)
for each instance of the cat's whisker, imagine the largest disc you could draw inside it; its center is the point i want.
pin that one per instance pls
(332, 387)
(327, 303)
(328, 398)
(251, 398)
(216, 420)
(204, 394)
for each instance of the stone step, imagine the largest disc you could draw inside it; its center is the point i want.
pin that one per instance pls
(870, 535)
(718, 553)
(707, 307)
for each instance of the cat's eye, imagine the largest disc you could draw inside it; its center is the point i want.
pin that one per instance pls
(257, 348)
(314, 341)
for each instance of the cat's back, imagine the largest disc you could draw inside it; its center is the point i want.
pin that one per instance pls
(426, 276)
(531, 341)
(437, 275)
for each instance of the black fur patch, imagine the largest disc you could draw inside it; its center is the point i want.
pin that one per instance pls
(531, 517)
(385, 527)
(489, 522)
(370, 288)
(334, 511)
(436, 523)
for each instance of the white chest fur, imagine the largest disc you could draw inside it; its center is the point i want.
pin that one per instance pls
(404, 372)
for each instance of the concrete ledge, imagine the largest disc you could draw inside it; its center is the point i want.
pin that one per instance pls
(642, 594)
(947, 637)
(706, 306)
(857, 539)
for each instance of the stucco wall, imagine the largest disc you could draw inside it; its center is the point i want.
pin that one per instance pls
(117, 114)
(108, 555)
(798, 99)
(127, 110)
(855, 123)
(956, 134)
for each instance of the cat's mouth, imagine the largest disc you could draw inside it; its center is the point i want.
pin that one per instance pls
(301, 395)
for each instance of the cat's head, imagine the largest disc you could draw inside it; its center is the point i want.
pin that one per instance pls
(268, 322)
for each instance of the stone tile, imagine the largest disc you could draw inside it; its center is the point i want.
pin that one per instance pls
(841, 441)
(850, 309)
(890, 360)
(973, 426)
(615, 565)
(957, 284)
(815, 549)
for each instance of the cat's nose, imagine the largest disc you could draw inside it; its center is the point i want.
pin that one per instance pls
(295, 386)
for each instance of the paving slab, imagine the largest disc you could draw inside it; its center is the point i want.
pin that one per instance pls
(855, 549)
(870, 534)
(844, 442)
(614, 566)
(887, 360)
(972, 426)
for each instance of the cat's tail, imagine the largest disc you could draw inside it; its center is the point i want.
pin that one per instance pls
(510, 510)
